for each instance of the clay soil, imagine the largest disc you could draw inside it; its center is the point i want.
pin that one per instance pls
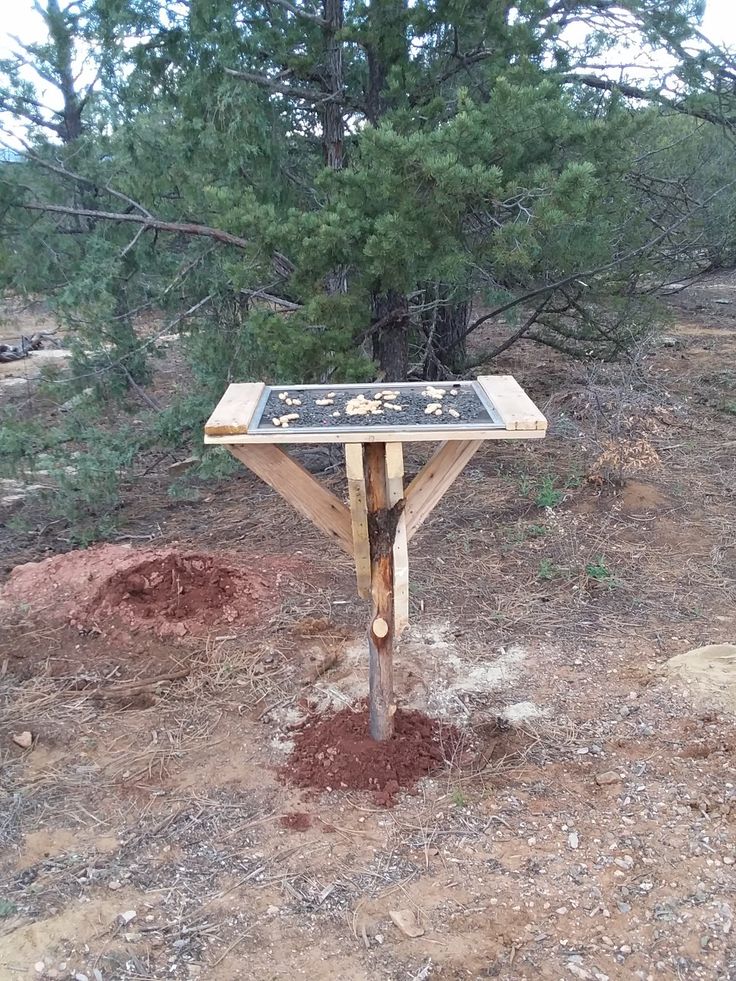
(585, 827)
(335, 752)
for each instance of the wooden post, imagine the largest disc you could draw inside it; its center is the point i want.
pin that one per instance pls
(382, 524)
(395, 490)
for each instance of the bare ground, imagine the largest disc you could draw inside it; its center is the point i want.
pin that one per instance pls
(588, 832)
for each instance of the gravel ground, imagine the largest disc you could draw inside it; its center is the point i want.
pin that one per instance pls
(374, 405)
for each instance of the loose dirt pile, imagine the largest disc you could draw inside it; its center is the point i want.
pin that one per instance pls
(335, 752)
(708, 674)
(181, 591)
(168, 592)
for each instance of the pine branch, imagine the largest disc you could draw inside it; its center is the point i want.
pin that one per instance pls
(178, 227)
(585, 273)
(79, 178)
(296, 91)
(649, 95)
(298, 12)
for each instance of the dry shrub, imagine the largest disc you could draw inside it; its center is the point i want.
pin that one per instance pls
(620, 459)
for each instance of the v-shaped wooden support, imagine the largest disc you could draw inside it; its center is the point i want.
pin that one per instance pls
(348, 528)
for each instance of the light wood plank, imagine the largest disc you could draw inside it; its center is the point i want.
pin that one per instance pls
(516, 409)
(356, 435)
(395, 489)
(359, 517)
(297, 486)
(431, 483)
(234, 411)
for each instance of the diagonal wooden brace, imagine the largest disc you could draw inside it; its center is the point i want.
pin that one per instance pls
(297, 486)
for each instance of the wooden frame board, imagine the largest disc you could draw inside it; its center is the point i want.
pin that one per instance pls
(235, 410)
(519, 419)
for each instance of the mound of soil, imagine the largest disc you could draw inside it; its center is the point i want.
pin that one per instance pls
(169, 592)
(335, 752)
(176, 587)
(177, 593)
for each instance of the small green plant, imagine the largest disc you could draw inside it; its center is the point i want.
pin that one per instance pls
(547, 495)
(459, 799)
(536, 531)
(599, 572)
(547, 570)
(7, 908)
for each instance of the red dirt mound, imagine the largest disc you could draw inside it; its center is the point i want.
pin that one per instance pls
(115, 590)
(176, 592)
(335, 752)
(176, 587)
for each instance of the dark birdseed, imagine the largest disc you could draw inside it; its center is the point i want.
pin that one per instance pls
(411, 399)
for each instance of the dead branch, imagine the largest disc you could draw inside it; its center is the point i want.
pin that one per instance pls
(178, 227)
(300, 12)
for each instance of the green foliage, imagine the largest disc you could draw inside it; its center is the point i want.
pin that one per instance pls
(459, 798)
(599, 572)
(547, 495)
(470, 165)
(82, 467)
(7, 908)
(548, 571)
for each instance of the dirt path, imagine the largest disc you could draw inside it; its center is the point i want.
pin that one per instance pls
(585, 829)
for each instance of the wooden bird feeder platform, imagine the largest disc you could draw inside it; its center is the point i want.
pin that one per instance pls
(373, 422)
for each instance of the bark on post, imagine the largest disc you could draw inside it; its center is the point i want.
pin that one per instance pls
(382, 522)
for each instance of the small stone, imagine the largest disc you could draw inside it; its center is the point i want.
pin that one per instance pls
(127, 917)
(406, 921)
(607, 778)
(625, 950)
(40, 967)
(378, 938)
(573, 839)
(81, 977)
(23, 739)
(98, 974)
(727, 860)
(114, 884)
(625, 862)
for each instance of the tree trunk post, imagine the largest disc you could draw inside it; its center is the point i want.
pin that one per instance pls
(382, 524)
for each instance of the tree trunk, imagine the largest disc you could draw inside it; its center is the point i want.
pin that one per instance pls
(60, 28)
(391, 335)
(446, 349)
(386, 48)
(333, 118)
